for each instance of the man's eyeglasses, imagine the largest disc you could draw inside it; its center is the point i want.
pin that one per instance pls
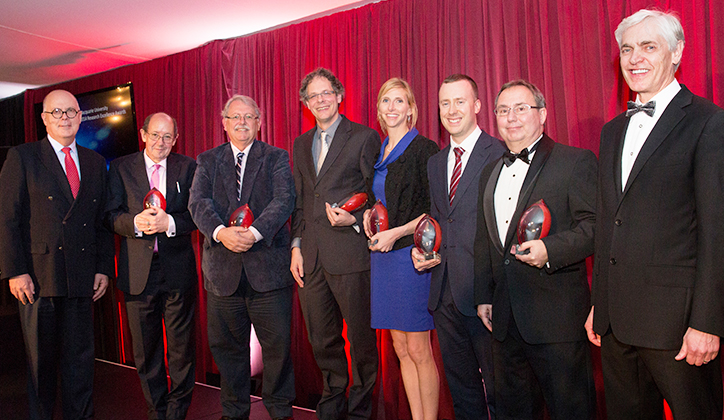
(324, 95)
(247, 117)
(167, 138)
(57, 113)
(520, 109)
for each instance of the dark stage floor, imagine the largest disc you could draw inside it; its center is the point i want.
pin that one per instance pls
(117, 393)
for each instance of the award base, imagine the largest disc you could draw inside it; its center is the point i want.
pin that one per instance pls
(430, 255)
(519, 252)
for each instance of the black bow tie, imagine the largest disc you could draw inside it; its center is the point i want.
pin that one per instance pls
(649, 108)
(510, 157)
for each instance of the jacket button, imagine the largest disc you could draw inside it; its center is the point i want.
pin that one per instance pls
(60, 248)
(507, 261)
(618, 222)
(50, 197)
(316, 195)
(449, 220)
(612, 261)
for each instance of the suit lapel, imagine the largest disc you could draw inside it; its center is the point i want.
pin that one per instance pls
(50, 161)
(253, 163)
(668, 120)
(227, 170)
(618, 154)
(440, 182)
(172, 174)
(489, 206)
(543, 152)
(472, 168)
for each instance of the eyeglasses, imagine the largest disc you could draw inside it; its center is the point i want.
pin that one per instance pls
(57, 113)
(247, 117)
(167, 138)
(520, 109)
(324, 95)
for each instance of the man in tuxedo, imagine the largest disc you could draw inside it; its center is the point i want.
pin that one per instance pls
(57, 255)
(156, 265)
(330, 258)
(244, 268)
(658, 287)
(532, 294)
(453, 174)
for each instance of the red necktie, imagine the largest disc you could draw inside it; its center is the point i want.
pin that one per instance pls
(457, 171)
(71, 171)
(154, 184)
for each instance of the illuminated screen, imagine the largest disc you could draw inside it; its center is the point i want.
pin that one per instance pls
(108, 124)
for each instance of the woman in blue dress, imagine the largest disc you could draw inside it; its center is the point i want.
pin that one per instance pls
(399, 293)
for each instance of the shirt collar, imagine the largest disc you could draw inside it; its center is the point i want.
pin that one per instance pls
(57, 146)
(331, 130)
(664, 97)
(235, 150)
(149, 162)
(469, 143)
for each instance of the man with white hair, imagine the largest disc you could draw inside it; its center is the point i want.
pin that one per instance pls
(658, 287)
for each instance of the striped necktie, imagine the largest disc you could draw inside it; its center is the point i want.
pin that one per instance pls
(239, 156)
(457, 171)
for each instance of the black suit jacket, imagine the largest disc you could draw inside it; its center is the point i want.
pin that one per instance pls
(550, 305)
(457, 222)
(268, 189)
(348, 168)
(407, 190)
(127, 186)
(60, 242)
(658, 243)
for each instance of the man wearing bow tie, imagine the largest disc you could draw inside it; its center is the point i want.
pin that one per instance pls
(533, 296)
(658, 285)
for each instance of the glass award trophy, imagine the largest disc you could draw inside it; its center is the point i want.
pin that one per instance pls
(242, 217)
(154, 198)
(534, 224)
(378, 220)
(353, 203)
(427, 237)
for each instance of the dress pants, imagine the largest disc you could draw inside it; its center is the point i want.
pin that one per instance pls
(529, 377)
(327, 300)
(147, 313)
(467, 357)
(638, 379)
(229, 327)
(58, 333)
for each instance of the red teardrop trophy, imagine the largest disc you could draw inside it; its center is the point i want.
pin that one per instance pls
(428, 237)
(353, 203)
(154, 198)
(378, 220)
(535, 223)
(242, 217)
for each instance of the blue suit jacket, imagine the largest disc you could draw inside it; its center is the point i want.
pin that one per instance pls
(268, 188)
(458, 222)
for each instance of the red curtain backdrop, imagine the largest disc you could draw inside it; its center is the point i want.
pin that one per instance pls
(566, 47)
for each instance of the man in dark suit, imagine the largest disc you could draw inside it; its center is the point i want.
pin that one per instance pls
(658, 285)
(157, 266)
(330, 258)
(454, 173)
(244, 268)
(56, 255)
(533, 296)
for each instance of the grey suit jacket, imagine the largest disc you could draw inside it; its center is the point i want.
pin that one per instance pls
(60, 242)
(550, 304)
(127, 186)
(268, 189)
(348, 168)
(658, 243)
(457, 222)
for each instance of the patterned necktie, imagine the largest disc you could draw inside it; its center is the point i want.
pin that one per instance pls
(155, 175)
(239, 156)
(457, 171)
(648, 108)
(71, 171)
(322, 151)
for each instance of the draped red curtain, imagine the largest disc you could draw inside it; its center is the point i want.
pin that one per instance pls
(566, 47)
